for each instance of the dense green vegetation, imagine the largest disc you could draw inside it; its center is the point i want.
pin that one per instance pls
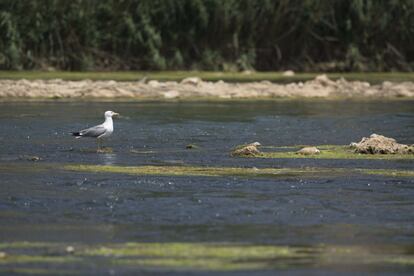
(228, 35)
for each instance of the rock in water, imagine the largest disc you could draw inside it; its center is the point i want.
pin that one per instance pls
(33, 158)
(191, 146)
(247, 150)
(256, 144)
(308, 151)
(378, 144)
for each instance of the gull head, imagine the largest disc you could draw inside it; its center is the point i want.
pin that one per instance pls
(110, 114)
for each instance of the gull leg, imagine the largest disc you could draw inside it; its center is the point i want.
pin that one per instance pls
(99, 144)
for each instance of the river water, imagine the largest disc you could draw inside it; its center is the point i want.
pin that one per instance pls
(367, 213)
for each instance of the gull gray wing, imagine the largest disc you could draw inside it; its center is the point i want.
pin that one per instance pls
(95, 131)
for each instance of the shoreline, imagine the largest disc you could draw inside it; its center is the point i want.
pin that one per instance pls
(194, 88)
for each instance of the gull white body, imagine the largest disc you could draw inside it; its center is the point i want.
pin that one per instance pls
(103, 130)
(109, 127)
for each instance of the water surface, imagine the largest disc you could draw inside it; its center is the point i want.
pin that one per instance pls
(368, 213)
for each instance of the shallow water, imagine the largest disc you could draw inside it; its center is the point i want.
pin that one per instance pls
(39, 202)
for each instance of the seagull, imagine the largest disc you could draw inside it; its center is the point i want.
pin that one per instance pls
(100, 131)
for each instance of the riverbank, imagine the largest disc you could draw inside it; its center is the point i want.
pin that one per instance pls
(196, 88)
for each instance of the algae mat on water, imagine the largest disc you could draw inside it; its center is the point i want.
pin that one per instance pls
(181, 256)
(202, 171)
(235, 172)
(329, 152)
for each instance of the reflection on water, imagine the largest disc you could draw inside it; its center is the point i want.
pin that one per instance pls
(108, 158)
(358, 223)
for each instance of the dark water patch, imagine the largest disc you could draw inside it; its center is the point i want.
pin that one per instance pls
(342, 234)
(156, 199)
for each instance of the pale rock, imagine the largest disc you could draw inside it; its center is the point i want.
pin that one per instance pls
(309, 151)
(192, 80)
(172, 94)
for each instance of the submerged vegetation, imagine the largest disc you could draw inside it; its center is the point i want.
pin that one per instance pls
(232, 171)
(194, 256)
(201, 171)
(395, 173)
(330, 152)
(200, 256)
(228, 35)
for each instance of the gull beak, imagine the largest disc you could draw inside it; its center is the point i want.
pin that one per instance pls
(115, 114)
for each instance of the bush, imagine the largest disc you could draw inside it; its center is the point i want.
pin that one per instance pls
(310, 35)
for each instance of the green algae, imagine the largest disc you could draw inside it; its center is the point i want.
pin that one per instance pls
(195, 250)
(329, 152)
(235, 172)
(22, 244)
(193, 264)
(178, 256)
(19, 259)
(196, 256)
(25, 167)
(203, 171)
(33, 271)
(183, 170)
